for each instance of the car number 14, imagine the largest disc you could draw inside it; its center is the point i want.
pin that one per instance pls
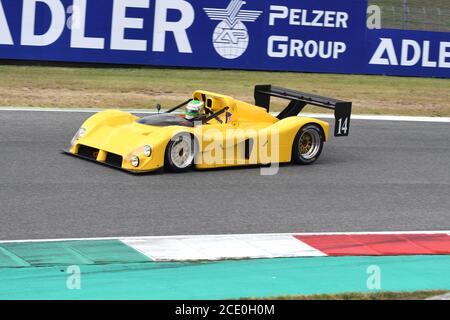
(342, 125)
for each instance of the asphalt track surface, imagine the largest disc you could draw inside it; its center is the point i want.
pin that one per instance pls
(386, 176)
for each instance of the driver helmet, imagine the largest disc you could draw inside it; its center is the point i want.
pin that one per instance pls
(193, 109)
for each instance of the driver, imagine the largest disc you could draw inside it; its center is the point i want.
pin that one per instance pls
(193, 110)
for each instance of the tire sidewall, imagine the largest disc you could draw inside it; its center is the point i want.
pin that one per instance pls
(296, 156)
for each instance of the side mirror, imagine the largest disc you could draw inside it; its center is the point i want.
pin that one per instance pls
(158, 107)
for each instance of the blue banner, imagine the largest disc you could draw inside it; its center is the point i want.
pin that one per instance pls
(408, 53)
(292, 35)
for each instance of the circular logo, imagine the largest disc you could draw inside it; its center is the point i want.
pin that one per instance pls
(230, 42)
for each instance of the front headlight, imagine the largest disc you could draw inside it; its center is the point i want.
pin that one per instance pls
(135, 161)
(147, 150)
(78, 135)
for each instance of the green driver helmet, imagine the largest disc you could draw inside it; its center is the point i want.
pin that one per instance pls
(193, 109)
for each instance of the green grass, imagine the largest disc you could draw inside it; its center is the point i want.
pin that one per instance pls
(104, 87)
(417, 295)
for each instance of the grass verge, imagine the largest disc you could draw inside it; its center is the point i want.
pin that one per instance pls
(417, 295)
(106, 87)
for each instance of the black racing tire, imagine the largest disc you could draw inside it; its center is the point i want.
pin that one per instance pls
(180, 153)
(308, 144)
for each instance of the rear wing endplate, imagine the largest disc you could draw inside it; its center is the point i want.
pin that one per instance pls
(298, 100)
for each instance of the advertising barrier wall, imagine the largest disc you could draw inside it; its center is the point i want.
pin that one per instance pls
(408, 53)
(292, 35)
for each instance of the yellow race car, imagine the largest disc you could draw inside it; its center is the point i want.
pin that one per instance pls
(215, 131)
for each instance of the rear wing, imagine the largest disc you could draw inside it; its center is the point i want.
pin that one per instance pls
(298, 100)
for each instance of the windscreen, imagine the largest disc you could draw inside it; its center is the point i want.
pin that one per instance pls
(165, 119)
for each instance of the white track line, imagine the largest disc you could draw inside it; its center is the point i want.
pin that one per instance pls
(226, 235)
(73, 110)
(311, 115)
(381, 118)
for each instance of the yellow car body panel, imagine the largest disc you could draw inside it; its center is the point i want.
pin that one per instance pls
(117, 136)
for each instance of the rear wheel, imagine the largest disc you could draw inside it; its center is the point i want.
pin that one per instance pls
(308, 144)
(180, 153)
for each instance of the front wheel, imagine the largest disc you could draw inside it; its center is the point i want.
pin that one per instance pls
(180, 153)
(308, 144)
